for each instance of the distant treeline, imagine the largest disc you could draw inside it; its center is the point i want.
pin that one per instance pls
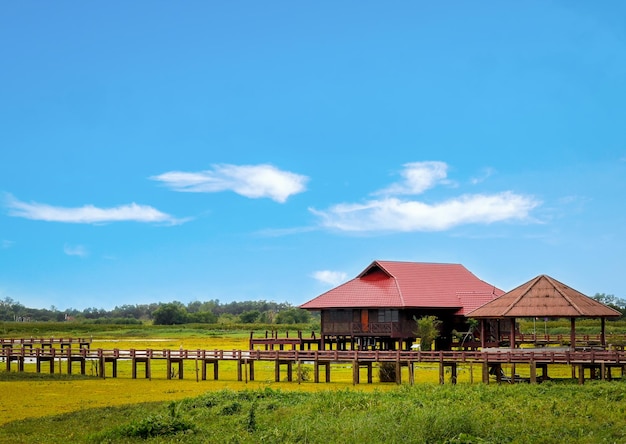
(170, 313)
(209, 312)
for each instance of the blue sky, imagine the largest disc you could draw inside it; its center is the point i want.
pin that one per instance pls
(159, 151)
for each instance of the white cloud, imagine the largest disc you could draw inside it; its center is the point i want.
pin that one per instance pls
(75, 250)
(6, 244)
(392, 214)
(253, 181)
(88, 214)
(486, 173)
(330, 277)
(418, 177)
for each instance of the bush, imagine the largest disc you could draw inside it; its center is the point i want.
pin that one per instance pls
(387, 372)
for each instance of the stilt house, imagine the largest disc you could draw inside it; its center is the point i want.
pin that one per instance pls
(377, 308)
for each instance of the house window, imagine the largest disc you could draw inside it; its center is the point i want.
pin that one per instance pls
(388, 315)
(339, 316)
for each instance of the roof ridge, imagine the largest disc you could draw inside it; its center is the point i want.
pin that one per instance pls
(395, 282)
(566, 297)
(522, 294)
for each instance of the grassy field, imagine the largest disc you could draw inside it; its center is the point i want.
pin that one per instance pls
(63, 408)
(426, 413)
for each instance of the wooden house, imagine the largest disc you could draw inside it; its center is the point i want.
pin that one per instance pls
(377, 309)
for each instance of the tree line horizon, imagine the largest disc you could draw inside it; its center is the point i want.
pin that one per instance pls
(207, 312)
(164, 313)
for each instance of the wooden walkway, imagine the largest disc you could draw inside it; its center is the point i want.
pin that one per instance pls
(594, 362)
(45, 342)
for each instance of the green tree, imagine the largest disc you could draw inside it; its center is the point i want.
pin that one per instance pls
(249, 317)
(612, 301)
(170, 314)
(293, 315)
(427, 329)
(202, 317)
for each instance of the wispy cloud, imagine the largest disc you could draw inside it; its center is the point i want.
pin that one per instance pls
(88, 214)
(418, 177)
(392, 214)
(4, 243)
(75, 250)
(485, 174)
(330, 277)
(253, 181)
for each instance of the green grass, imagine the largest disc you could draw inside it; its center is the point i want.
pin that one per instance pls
(29, 376)
(546, 413)
(81, 330)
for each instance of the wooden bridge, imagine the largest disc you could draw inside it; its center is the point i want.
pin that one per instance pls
(595, 362)
(45, 342)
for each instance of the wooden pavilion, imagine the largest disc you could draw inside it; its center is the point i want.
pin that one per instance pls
(541, 297)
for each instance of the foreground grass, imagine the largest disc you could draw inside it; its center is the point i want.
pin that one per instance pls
(428, 413)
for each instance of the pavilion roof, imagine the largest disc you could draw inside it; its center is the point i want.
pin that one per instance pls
(543, 296)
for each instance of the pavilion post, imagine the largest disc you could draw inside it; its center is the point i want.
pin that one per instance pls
(482, 334)
(602, 332)
(512, 333)
(573, 333)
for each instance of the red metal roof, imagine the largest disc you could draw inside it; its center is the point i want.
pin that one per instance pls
(388, 284)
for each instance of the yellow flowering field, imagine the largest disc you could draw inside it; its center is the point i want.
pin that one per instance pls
(27, 399)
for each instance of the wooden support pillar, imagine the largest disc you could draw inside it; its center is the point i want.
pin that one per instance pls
(485, 372)
(146, 362)
(483, 340)
(581, 374)
(411, 366)
(441, 372)
(572, 335)
(355, 372)
(533, 371)
(100, 365)
(70, 362)
(544, 372)
(398, 372)
(251, 368)
(239, 370)
(513, 373)
(512, 333)
(453, 372)
(602, 332)
(299, 371)
(215, 364)
(316, 370)
(277, 370)
(40, 360)
(170, 361)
